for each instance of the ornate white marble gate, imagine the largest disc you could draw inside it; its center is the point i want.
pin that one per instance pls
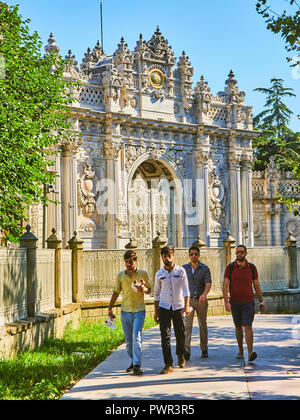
(151, 206)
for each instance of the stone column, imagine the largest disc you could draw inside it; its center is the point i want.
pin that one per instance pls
(202, 160)
(76, 245)
(229, 245)
(277, 223)
(157, 245)
(235, 196)
(53, 242)
(291, 244)
(179, 216)
(29, 241)
(111, 151)
(69, 191)
(246, 197)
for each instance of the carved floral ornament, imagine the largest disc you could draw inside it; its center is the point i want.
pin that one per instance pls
(112, 149)
(86, 197)
(133, 153)
(202, 157)
(217, 200)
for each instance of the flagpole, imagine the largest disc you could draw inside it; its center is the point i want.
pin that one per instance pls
(101, 20)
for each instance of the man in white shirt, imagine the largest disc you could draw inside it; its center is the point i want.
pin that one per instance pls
(171, 300)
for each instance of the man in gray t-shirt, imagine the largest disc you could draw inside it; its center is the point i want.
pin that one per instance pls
(199, 279)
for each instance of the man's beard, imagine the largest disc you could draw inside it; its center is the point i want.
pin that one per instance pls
(168, 263)
(241, 259)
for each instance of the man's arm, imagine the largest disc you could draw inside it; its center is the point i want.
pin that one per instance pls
(156, 316)
(225, 294)
(259, 295)
(207, 280)
(113, 300)
(186, 310)
(157, 290)
(203, 297)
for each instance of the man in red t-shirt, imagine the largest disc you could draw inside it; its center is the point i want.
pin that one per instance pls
(239, 279)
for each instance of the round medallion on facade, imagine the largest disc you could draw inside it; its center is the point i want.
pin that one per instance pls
(157, 79)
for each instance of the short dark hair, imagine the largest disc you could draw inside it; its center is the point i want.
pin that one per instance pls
(195, 248)
(242, 246)
(167, 250)
(129, 254)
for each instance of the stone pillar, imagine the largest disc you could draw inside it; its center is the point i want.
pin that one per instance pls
(202, 160)
(76, 245)
(29, 241)
(235, 196)
(277, 223)
(246, 198)
(179, 212)
(157, 244)
(69, 191)
(111, 150)
(229, 245)
(53, 242)
(291, 244)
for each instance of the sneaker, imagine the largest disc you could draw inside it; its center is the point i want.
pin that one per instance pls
(137, 371)
(240, 356)
(130, 368)
(252, 356)
(167, 369)
(181, 361)
(204, 355)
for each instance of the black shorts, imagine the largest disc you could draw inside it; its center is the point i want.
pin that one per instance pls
(243, 313)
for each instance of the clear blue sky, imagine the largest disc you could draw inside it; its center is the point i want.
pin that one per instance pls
(217, 35)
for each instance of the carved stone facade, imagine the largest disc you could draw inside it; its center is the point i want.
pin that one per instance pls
(272, 220)
(156, 154)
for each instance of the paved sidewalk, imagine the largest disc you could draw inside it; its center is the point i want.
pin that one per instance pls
(275, 374)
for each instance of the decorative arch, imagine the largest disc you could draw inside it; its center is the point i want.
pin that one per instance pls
(177, 182)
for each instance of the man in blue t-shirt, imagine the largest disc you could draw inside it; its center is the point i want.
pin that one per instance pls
(199, 279)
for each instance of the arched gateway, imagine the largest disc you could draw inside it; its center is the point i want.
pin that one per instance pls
(155, 191)
(155, 153)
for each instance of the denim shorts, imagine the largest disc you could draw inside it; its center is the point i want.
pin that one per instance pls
(243, 313)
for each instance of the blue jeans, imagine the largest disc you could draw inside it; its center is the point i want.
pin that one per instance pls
(132, 324)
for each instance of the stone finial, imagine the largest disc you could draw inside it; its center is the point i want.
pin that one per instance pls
(198, 243)
(52, 47)
(229, 237)
(159, 242)
(53, 242)
(97, 52)
(28, 239)
(131, 244)
(72, 63)
(290, 240)
(76, 242)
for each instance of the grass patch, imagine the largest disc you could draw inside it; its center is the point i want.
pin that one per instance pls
(48, 372)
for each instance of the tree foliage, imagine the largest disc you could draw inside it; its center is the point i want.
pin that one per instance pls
(273, 122)
(33, 118)
(286, 23)
(276, 139)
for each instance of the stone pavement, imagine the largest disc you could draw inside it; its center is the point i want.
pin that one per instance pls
(275, 374)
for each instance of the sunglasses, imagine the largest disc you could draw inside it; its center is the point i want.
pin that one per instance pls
(240, 252)
(131, 260)
(193, 253)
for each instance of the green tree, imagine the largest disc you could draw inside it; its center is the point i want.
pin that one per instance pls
(276, 139)
(286, 23)
(273, 124)
(34, 100)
